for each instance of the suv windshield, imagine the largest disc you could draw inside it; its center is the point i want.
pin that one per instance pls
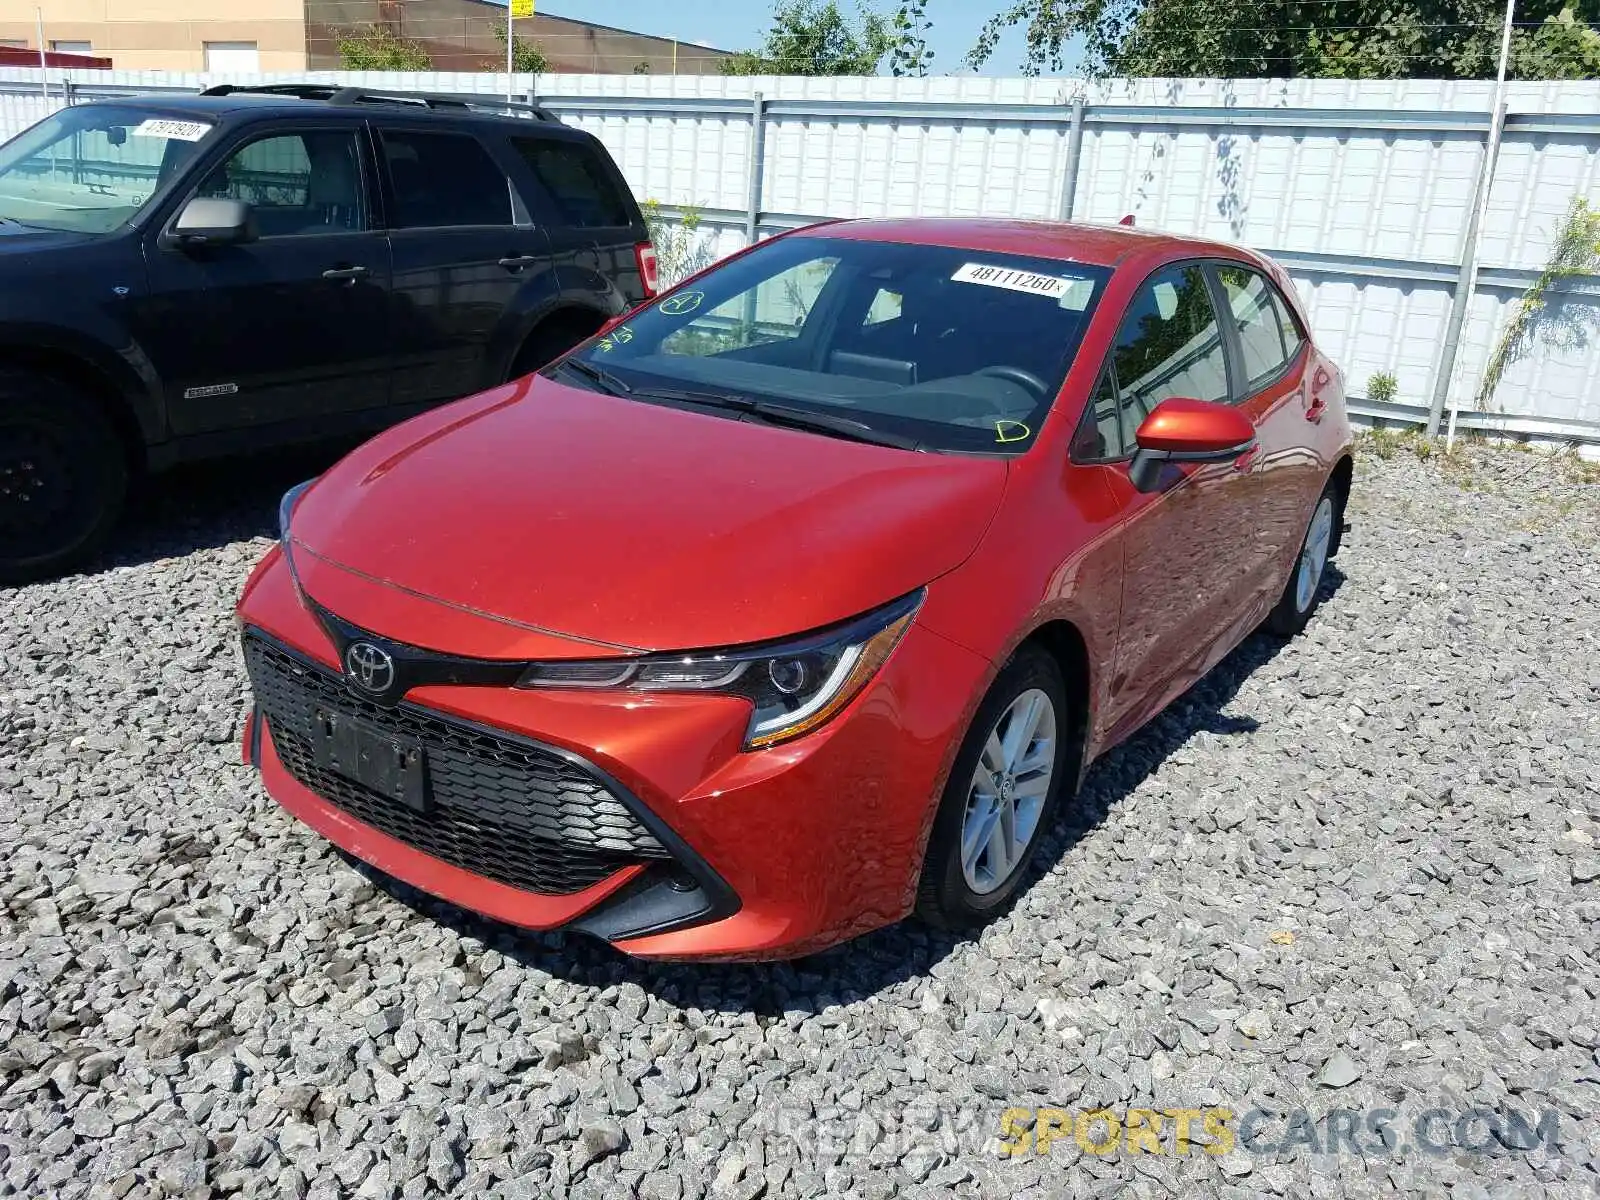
(945, 349)
(90, 169)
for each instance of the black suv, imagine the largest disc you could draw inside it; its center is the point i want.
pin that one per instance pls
(188, 276)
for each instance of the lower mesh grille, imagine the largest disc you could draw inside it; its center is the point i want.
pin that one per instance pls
(501, 808)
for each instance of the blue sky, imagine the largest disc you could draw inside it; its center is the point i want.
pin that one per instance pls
(741, 24)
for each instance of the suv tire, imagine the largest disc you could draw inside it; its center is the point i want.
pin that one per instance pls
(63, 476)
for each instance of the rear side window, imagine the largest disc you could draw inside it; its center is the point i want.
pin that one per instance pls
(578, 183)
(444, 179)
(1169, 345)
(1268, 337)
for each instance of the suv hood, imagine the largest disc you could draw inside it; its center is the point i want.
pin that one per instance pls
(543, 520)
(24, 239)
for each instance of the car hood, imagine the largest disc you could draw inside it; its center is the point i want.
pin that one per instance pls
(24, 239)
(539, 519)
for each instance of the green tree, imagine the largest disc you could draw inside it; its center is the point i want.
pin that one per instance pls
(910, 53)
(1329, 39)
(812, 38)
(527, 58)
(377, 48)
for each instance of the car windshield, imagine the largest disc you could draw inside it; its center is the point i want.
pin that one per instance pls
(89, 169)
(922, 346)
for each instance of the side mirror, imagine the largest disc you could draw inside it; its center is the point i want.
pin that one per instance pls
(1181, 430)
(214, 221)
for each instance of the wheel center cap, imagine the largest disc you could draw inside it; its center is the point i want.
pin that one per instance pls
(1005, 788)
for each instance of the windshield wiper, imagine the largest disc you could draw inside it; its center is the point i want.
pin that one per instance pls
(794, 418)
(606, 381)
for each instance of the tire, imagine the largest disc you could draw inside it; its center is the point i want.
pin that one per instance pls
(1302, 592)
(63, 476)
(958, 893)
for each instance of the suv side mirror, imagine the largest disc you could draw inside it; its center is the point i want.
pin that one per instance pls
(1181, 430)
(215, 221)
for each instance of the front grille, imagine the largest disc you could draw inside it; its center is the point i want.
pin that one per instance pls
(501, 808)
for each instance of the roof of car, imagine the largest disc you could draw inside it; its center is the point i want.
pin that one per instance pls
(1070, 241)
(223, 106)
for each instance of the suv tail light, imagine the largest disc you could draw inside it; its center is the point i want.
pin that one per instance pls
(645, 253)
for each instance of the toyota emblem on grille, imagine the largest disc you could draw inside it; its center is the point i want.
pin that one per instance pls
(369, 667)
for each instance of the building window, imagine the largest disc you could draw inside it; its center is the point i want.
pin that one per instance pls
(72, 47)
(233, 57)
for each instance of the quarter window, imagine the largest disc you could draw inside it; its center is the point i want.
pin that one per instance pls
(1268, 337)
(444, 180)
(301, 183)
(1169, 345)
(578, 184)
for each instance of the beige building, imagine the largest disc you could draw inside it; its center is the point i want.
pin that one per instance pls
(299, 35)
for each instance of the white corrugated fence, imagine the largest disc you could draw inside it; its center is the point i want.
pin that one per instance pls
(1362, 189)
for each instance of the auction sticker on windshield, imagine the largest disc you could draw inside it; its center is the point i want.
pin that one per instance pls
(1052, 286)
(183, 131)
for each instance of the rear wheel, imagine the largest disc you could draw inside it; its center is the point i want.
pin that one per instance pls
(1003, 790)
(1301, 594)
(552, 338)
(63, 476)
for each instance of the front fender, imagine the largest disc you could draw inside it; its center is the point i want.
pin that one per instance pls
(101, 351)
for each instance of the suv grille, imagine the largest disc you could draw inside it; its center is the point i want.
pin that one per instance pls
(501, 808)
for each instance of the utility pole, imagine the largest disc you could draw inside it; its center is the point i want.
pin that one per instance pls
(44, 62)
(1491, 152)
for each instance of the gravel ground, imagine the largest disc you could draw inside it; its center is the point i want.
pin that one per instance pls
(1358, 872)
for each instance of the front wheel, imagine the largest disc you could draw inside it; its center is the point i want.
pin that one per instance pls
(63, 477)
(1002, 792)
(1301, 594)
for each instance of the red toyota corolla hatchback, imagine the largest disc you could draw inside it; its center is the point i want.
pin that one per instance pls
(797, 600)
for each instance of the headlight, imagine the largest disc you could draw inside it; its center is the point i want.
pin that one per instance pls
(793, 687)
(285, 512)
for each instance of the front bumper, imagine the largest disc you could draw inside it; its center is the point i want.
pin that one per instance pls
(768, 854)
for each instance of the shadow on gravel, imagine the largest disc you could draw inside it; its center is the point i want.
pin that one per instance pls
(207, 505)
(860, 968)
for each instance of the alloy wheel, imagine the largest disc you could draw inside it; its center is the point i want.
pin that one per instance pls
(1006, 797)
(1314, 555)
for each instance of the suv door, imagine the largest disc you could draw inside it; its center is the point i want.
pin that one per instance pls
(463, 247)
(291, 327)
(1181, 595)
(585, 206)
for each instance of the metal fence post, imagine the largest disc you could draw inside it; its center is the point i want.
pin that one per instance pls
(752, 215)
(1461, 298)
(1069, 188)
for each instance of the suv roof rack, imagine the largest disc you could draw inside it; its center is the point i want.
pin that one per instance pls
(332, 93)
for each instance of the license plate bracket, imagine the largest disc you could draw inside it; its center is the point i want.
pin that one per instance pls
(394, 767)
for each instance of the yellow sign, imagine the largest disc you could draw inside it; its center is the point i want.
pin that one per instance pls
(522, 8)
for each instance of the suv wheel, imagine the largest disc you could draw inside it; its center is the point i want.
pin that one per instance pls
(63, 476)
(1002, 792)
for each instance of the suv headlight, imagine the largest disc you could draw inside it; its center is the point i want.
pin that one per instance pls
(793, 686)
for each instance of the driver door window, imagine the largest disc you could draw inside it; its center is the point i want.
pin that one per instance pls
(299, 183)
(772, 313)
(1170, 345)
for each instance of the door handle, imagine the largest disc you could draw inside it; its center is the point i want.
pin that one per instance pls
(346, 274)
(1314, 413)
(515, 262)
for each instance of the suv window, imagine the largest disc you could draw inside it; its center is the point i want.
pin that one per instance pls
(1169, 345)
(297, 183)
(1268, 338)
(577, 181)
(444, 179)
